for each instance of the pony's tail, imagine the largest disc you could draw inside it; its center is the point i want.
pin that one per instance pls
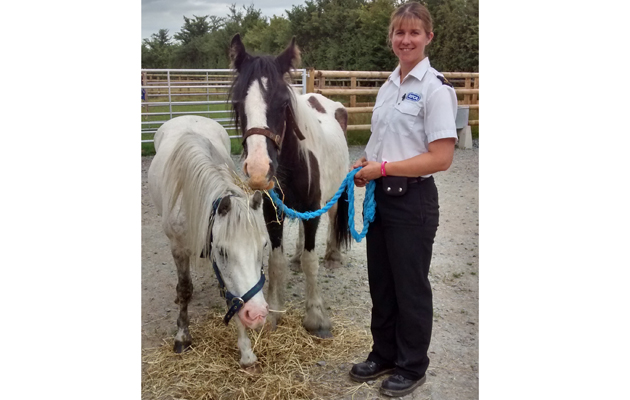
(342, 229)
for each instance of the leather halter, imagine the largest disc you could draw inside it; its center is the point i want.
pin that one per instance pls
(276, 138)
(234, 303)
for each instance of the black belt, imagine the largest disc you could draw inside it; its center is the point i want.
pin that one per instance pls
(414, 179)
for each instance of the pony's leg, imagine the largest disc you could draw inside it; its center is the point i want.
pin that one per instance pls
(316, 320)
(332, 259)
(245, 345)
(296, 260)
(183, 339)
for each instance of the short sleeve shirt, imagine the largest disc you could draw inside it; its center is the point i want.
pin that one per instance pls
(408, 116)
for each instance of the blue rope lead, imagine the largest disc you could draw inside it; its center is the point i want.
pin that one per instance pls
(369, 205)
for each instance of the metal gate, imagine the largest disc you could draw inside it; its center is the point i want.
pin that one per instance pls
(168, 93)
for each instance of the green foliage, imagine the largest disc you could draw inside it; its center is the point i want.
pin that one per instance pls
(331, 34)
(193, 29)
(157, 51)
(455, 46)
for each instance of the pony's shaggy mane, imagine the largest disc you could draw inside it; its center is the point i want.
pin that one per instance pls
(196, 174)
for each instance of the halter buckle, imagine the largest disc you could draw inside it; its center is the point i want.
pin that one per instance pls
(239, 300)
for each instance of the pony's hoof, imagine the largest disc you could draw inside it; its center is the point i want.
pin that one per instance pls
(322, 333)
(181, 347)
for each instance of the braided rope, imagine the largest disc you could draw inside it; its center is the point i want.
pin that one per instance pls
(369, 205)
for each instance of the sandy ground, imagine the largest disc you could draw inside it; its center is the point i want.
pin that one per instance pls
(454, 352)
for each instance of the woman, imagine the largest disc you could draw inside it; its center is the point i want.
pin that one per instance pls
(413, 137)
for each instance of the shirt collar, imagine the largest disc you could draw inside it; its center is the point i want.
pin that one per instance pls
(417, 72)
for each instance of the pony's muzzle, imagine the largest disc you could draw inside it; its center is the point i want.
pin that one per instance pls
(253, 316)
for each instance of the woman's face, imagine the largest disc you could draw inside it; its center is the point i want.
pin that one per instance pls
(408, 42)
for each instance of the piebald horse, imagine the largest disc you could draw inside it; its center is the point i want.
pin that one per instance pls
(294, 144)
(205, 214)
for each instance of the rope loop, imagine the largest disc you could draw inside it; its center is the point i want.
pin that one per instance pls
(369, 205)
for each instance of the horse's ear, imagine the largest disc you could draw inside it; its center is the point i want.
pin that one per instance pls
(224, 206)
(256, 200)
(237, 52)
(290, 58)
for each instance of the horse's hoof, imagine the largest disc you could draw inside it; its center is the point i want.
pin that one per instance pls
(295, 266)
(181, 347)
(273, 319)
(322, 333)
(332, 264)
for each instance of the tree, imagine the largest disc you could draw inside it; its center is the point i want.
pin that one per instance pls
(331, 34)
(193, 29)
(455, 46)
(157, 52)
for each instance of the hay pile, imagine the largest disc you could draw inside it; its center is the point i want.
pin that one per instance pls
(291, 363)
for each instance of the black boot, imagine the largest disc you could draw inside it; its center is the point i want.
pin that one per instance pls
(398, 385)
(366, 371)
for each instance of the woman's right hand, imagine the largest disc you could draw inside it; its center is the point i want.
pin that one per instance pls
(359, 182)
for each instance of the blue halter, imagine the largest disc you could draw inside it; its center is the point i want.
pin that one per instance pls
(234, 303)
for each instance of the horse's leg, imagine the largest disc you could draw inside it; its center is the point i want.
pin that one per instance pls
(183, 339)
(332, 259)
(316, 320)
(296, 260)
(277, 265)
(245, 345)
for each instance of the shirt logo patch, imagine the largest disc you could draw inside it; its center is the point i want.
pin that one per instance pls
(413, 96)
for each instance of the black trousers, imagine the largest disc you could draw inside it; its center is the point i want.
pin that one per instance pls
(399, 248)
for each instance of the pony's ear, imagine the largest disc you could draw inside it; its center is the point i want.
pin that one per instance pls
(256, 200)
(224, 206)
(290, 58)
(237, 52)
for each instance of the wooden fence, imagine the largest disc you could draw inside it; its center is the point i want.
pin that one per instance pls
(367, 83)
(356, 85)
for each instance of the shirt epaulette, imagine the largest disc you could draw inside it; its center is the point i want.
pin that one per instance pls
(444, 81)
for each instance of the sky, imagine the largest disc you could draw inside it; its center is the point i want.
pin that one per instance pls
(168, 14)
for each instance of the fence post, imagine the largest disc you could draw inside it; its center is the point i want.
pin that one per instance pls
(170, 103)
(353, 85)
(467, 85)
(146, 95)
(322, 82)
(310, 83)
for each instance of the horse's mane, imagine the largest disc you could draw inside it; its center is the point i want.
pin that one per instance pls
(196, 174)
(308, 124)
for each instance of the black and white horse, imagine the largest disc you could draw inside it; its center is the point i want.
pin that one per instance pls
(204, 213)
(294, 144)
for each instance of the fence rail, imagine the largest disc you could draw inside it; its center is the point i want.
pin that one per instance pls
(172, 92)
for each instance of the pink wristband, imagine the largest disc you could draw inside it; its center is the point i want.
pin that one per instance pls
(383, 173)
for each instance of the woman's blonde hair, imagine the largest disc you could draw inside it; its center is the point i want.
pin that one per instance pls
(410, 11)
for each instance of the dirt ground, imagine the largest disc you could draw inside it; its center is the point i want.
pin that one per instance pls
(454, 352)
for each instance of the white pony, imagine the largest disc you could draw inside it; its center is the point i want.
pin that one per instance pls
(191, 182)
